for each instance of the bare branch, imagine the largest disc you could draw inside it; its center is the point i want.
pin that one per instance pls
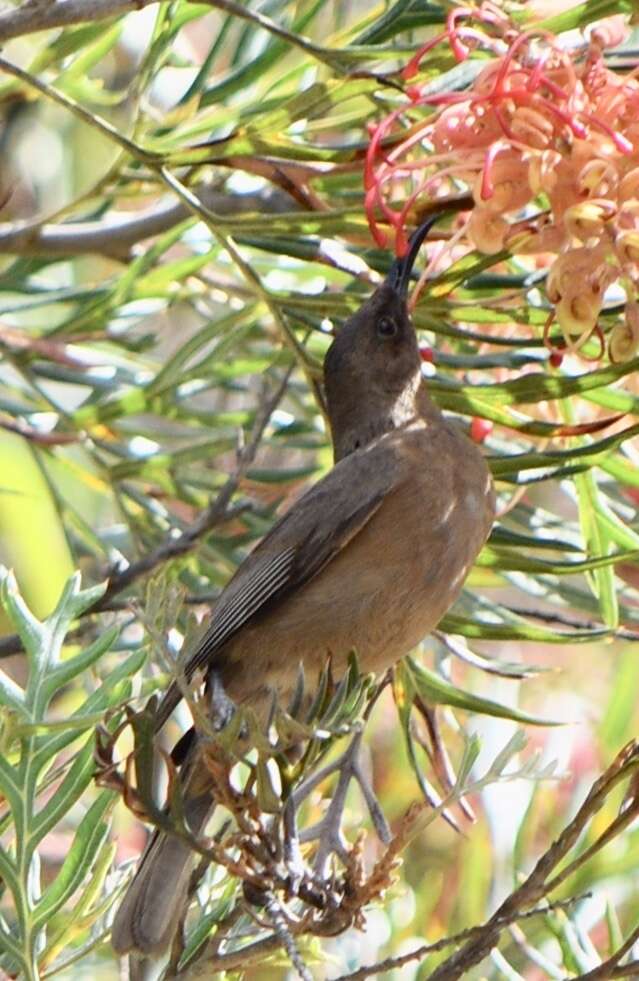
(539, 881)
(32, 16)
(116, 235)
(392, 963)
(232, 960)
(35, 16)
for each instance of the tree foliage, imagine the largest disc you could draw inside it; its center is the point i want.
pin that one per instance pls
(185, 221)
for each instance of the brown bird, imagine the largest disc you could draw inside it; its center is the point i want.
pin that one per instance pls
(369, 559)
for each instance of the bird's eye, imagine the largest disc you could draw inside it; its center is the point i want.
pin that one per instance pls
(387, 327)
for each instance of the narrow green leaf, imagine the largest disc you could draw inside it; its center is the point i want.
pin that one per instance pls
(455, 624)
(436, 691)
(73, 666)
(87, 841)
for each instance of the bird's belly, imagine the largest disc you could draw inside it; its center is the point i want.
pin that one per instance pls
(379, 597)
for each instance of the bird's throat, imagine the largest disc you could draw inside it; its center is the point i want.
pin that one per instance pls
(375, 417)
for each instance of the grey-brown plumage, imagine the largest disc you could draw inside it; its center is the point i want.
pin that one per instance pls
(370, 559)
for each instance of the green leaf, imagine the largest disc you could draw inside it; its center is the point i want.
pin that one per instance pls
(434, 690)
(87, 842)
(520, 630)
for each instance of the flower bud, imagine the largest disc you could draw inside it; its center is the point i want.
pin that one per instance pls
(480, 429)
(627, 245)
(542, 172)
(487, 231)
(459, 127)
(628, 216)
(609, 32)
(508, 188)
(587, 269)
(587, 219)
(577, 314)
(624, 337)
(597, 178)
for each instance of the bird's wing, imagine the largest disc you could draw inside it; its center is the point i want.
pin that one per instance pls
(316, 529)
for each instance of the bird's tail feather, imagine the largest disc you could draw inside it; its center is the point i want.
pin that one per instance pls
(150, 911)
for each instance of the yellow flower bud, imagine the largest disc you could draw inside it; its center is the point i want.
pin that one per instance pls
(587, 219)
(577, 315)
(624, 337)
(487, 231)
(627, 245)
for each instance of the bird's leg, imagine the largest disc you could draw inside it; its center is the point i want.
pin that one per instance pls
(293, 859)
(221, 707)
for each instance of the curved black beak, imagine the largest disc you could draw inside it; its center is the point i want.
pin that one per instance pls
(400, 272)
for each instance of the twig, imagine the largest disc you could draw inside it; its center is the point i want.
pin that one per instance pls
(115, 236)
(296, 40)
(537, 883)
(21, 428)
(392, 963)
(205, 967)
(32, 16)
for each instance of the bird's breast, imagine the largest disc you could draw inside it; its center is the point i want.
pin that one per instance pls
(387, 589)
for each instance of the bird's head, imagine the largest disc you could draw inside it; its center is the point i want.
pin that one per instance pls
(372, 369)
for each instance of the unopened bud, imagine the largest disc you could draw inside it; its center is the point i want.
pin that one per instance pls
(577, 314)
(624, 337)
(542, 171)
(556, 358)
(597, 178)
(480, 429)
(487, 231)
(627, 245)
(587, 219)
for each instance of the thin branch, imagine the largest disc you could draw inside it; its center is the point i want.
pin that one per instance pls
(35, 16)
(536, 885)
(96, 122)
(296, 40)
(116, 235)
(232, 960)
(36, 436)
(392, 963)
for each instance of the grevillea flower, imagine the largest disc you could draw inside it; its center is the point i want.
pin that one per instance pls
(624, 337)
(547, 141)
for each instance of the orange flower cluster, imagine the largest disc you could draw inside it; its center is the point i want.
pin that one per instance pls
(547, 138)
